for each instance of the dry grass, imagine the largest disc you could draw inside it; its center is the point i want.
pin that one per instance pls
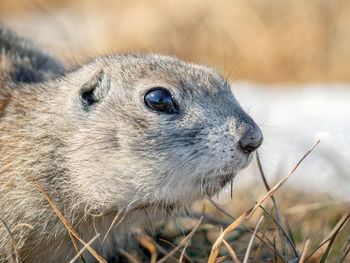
(72, 233)
(308, 232)
(261, 40)
(319, 234)
(266, 248)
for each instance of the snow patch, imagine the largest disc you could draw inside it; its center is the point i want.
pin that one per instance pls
(292, 119)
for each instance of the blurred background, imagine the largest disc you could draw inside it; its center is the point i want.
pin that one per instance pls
(288, 61)
(261, 40)
(289, 65)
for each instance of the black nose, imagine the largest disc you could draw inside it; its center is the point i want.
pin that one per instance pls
(249, 143)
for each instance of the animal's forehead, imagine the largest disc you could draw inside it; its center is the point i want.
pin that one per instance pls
(188, 78)
(197, 81)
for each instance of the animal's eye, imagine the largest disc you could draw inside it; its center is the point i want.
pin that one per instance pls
(160, 100)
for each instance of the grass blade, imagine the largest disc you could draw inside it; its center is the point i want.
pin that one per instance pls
(13, 241)
(84, 248)
(281, 233)
(324, 257)
(188, 237)
(216, 247)
(304, 251)
(68, 226)
(231, 251)
(252, 240)
(342, 253)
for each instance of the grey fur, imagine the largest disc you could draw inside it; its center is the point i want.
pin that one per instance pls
(115, 156)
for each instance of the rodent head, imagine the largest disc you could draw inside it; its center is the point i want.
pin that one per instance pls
(153, 130)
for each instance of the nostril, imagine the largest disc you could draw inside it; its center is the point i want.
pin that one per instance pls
(249, 145)
(247, 149)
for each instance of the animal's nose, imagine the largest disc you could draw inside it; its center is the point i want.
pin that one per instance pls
(250, 142)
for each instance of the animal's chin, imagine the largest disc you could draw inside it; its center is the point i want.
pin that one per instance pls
(207, 184)
(214, 183)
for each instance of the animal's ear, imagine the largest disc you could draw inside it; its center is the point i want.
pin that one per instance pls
(94, 90)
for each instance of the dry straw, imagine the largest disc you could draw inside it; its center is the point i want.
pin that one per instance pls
(70, 229)
(216, 247)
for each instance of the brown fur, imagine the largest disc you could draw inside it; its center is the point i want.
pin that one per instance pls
(99, 151)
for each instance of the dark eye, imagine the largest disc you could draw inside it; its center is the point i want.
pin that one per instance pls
(160, 100)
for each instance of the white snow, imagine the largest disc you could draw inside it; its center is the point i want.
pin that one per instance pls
(292, 119)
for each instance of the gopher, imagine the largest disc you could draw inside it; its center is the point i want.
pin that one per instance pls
(133, 136)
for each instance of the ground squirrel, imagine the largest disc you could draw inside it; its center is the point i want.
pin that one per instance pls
(136, 135)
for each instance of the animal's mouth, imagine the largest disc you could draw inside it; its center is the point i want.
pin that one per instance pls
(213, 183)
(215, 180)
